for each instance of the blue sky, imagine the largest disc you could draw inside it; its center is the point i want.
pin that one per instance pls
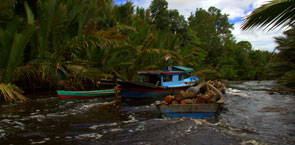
(238, 19)
(236, 9)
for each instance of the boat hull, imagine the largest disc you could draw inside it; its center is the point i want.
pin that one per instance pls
(190, 110)
(84, 94)
(148, 92)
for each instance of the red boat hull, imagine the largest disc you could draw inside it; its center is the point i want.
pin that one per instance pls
(147, 92)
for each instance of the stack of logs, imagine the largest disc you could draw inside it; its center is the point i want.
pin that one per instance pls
(208, 92)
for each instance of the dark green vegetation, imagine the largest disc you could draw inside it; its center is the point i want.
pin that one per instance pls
(283, 66)
(271, 15)
(83, 41)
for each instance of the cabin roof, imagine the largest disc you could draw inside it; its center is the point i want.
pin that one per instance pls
(159, 72)
(182, 68)
(176, 70)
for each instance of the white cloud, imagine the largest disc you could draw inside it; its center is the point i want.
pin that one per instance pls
(259, 39)
(142, 3)
(262, 40)
(234, 8)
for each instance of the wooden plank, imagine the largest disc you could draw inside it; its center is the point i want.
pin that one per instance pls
(220, 101)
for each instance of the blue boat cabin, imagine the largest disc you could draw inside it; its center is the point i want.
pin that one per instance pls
(175, 76)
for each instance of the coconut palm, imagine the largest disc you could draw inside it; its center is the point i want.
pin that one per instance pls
(272, 14)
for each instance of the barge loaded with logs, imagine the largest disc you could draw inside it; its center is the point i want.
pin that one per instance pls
(158, 82)
(203, 101)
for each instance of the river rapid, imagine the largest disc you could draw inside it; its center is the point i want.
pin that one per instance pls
(252, 114)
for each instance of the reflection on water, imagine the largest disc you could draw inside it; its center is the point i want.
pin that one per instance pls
(251, 116)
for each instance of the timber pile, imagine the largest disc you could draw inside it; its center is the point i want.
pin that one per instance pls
(208, 92)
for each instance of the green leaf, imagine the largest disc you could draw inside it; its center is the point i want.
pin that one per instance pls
(30, 14)
(271, 15)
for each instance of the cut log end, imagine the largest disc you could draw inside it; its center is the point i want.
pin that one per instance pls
(174, 102)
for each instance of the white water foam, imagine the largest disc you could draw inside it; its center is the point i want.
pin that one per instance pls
(132, 119)
(94, 127)
(130, 130)
(6, 121)
(2, 133)
(231, 90)
(236, 92)
(253, 142)
(189, 129)
(91, 135)
(116, 129)
(86, 107)
(140, 128)
(14, 124)
(38, 117)
(200, 121)
(40, 142)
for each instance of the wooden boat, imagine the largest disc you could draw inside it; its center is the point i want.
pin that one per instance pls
(205, 110)
(62, 94)
(158, 83)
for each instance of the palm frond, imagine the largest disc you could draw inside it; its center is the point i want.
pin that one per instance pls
(123, 28)
(6, 12)
(16, 51)
(46, 19)
(271, 15)
(288, 79)
(81, 72)
(30, 15)
(81, 77)
(26, 73)
(102, 39)
(11, 93)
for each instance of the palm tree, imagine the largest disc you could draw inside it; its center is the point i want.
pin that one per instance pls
(283, 65)
(71, 39)
(14, 36)
(65, 38)
(272, 14)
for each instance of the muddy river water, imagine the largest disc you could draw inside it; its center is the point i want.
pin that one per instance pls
(251, 115)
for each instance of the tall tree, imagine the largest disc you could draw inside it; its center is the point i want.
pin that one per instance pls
(245, 69)
(124, 13)
(213, 29)
(159, 13)
(177, 23)
(259, 60)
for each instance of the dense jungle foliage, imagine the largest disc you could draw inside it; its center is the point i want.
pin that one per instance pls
(43, 42)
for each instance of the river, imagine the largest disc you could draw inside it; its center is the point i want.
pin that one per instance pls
(252, 115)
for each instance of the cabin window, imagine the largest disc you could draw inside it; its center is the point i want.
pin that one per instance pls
(180, 77)
(145, 78)
(155, 79)
(175, 77)
(167, 78)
